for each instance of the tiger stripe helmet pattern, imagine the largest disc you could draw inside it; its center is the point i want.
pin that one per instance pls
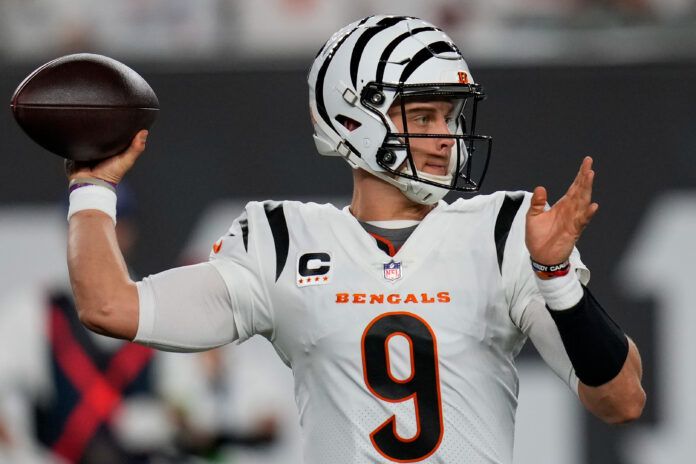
(380, 61)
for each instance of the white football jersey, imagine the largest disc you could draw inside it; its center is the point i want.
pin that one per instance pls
(407, 358)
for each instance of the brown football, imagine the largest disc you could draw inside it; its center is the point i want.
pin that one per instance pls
(84, 107)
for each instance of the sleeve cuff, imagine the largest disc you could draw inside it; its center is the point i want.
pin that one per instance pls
(146, 313)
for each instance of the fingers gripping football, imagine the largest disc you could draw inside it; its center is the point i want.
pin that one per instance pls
(551, 233)
(110, 169)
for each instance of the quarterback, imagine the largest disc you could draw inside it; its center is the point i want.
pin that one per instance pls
(400, 315)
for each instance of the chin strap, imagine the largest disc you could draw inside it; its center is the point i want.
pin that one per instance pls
(424, 194)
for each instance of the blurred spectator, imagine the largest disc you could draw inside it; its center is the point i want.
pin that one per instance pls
(69, 395)
(169, 28)
(76, 391)
(225, 30)
(42, 29)
(279, 27)
(233, 404)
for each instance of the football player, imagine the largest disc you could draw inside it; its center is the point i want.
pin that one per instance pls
(400, 315)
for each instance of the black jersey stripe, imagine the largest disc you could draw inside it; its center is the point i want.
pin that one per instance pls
(424, 55)
(503, 223)
(362, 41)
(244, 224)
(281, 236)
(321, 75)
(384, 58)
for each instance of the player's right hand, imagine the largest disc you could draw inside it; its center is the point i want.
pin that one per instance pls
(110, 169)
(550, 234)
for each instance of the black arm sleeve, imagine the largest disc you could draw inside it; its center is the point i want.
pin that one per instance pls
(596, 345)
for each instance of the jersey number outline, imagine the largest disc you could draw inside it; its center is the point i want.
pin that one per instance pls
(423, 385)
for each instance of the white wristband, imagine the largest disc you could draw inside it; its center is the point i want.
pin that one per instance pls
(93, 197)
(561, 292)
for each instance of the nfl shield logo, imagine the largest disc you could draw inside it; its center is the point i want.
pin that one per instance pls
(392, 270)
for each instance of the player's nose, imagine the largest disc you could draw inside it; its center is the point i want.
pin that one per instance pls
(444, 144)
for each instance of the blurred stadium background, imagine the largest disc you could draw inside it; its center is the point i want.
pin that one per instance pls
(612, 78)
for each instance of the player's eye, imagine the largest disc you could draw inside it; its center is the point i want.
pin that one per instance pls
(422, 119)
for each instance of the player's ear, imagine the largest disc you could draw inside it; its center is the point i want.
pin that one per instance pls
(348, 123)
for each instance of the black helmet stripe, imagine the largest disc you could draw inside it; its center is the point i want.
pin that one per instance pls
(362, 41)
(424, 55)
(319, 88)
(384, 59)
(362, 21)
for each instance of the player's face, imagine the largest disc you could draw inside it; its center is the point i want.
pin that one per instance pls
(430, 155)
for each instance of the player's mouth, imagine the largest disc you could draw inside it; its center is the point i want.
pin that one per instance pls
(437, 169)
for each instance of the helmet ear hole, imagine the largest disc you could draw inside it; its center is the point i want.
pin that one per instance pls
(349, 123)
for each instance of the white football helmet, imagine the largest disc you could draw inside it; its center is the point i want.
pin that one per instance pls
(376, 62)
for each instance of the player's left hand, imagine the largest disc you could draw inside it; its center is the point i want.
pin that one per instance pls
(551, 234)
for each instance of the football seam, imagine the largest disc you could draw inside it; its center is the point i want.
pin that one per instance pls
(30, 77)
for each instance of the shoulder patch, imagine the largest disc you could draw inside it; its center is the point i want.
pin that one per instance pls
(506, 215)
(281, 237)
